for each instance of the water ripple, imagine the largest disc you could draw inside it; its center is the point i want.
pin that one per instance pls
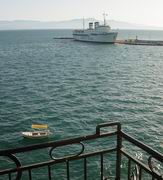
(73, 86)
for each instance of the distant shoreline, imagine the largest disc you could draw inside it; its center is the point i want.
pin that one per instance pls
(70, 24)
(35, 29)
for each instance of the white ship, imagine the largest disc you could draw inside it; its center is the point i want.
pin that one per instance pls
(98, 33)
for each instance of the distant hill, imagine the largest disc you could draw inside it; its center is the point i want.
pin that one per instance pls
(69, 24)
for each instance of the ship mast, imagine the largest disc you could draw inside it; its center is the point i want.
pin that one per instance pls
(104, 14)
(83, 23)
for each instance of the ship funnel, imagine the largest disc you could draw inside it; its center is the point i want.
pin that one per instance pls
(90, 25)
(96, 24)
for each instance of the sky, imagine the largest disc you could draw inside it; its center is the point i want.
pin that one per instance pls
(145, 12)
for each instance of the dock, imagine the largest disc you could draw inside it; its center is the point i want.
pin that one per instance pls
(140, 42)
(129, 41)
(63, 38)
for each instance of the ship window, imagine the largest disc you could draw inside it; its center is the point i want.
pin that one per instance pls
(34, 134)
(42, 133)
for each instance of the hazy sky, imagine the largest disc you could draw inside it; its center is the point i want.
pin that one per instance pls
(148, 12)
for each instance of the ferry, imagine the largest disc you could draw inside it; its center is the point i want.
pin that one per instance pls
(96, 33)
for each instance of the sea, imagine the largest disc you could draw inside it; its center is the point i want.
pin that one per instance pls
(72, 86)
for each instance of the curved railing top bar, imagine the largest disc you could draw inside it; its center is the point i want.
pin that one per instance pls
(157, 155)
(117, 132)
(64, 142)
(98, 134)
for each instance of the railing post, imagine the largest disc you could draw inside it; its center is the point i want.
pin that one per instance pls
(119, 146)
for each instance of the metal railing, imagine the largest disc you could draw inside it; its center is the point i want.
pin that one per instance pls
(135, 168)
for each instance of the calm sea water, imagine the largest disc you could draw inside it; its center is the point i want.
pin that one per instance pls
(73, 86)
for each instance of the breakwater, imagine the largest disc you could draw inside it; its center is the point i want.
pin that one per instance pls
(140, 42)
(129, 41)
(63, 38)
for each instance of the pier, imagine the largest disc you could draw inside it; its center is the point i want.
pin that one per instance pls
(63, 38)
(140, 42)
(129, 41)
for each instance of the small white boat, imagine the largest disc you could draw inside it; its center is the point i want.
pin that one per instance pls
(37, 134)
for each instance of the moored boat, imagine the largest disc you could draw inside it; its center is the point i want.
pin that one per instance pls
(96, 33)
(37, 134)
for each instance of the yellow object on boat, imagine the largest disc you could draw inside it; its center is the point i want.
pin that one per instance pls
(39, 126)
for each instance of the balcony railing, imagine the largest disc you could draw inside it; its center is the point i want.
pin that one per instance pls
(146, 164)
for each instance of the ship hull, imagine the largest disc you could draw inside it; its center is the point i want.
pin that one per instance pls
(101, 38)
